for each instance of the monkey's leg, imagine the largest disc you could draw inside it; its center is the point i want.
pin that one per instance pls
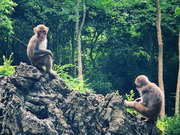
(38, 63)
(145, 111)
(48, 63)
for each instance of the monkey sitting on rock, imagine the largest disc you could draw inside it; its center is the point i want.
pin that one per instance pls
(37, 51)
(151, 100)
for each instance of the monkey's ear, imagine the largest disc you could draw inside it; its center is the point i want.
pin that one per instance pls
(47, 29)
(35, 30)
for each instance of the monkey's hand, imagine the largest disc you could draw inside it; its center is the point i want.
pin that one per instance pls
(50, 53)
(130, 104)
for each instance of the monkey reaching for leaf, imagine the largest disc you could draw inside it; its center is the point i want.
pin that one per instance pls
(37, 50)
(151, 101)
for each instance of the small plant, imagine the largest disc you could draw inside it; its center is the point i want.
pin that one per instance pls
(6, 69)
(130, 97)
(117, 91)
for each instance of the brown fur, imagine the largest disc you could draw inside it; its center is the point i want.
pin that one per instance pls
(37, 50)
(150, 103)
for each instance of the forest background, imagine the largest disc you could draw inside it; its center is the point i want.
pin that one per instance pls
(118, 40)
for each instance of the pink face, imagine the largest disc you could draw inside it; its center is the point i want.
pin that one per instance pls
(42, 34)
(41, 31)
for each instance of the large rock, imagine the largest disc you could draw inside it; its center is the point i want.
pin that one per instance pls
(32, 104)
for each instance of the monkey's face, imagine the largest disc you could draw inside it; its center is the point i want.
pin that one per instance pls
(41, 31)
(138, 86)
(42, 34)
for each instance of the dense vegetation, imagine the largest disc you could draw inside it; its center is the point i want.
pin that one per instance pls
(119, 40)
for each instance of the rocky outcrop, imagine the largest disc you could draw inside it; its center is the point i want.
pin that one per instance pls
(32, 104)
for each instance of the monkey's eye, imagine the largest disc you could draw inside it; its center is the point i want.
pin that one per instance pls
(42, 31)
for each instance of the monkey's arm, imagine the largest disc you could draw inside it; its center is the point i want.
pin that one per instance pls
(145, 97)
(39, 53)
(138, 107)
(130, 104)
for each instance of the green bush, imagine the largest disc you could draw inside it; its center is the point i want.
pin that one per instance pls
(101, 87)
(72, 82)
(162, 123)
(98, 82)
(173, 127)
(169, 125)
(6, 69)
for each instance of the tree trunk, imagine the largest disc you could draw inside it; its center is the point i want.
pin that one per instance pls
(178, 82)
(73, 48)
(160, 55)
(78, 36)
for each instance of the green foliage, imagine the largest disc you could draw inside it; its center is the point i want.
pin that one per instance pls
(6, 8)
(7, 69)
(99, 82)
(72, 83)
(173, 127)
(162, 123)
(101, 87)
(117, 91)
(119, 39)
(108, 6)
(143, 53)
(169, 125)
(130, 97)
(177, 16)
